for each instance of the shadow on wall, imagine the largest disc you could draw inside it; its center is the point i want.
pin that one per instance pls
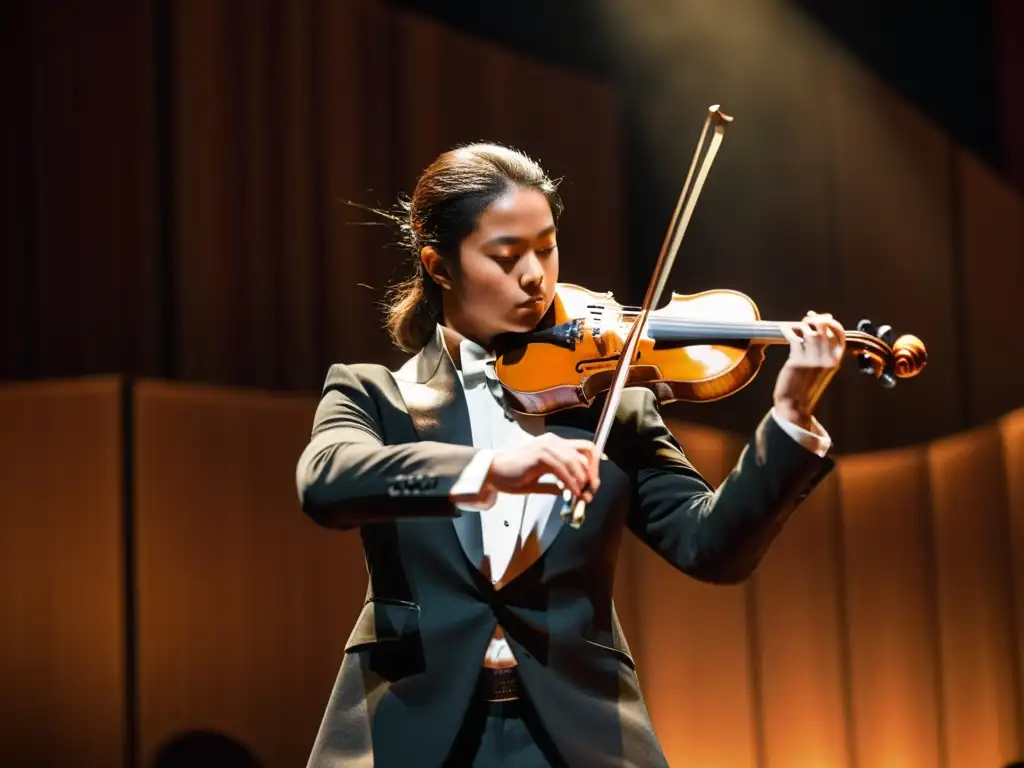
(204, 749)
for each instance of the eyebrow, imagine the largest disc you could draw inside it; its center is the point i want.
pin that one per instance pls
(513, 240)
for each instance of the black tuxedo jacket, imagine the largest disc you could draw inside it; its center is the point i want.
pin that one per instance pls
(385, 450)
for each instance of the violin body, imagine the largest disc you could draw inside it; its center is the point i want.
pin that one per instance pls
(542, 378)
(698, 348)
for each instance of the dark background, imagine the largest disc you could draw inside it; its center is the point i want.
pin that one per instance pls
(118, 122)
(943, 56)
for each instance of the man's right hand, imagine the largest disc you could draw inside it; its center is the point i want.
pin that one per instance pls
(573, 463)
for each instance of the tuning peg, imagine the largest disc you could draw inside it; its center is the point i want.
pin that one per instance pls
(887, 380)
(866, 326)
(886, 334)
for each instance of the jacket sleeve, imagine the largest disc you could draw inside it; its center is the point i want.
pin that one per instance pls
(346, 476)
(717, 535)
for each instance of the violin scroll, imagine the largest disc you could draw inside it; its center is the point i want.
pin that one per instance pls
(885, 357)
(910, 356)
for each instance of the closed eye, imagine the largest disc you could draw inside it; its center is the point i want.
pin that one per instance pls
(512, 257)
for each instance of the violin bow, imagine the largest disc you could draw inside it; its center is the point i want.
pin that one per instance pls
(574, 510)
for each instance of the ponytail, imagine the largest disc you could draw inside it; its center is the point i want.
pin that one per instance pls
(413, 310)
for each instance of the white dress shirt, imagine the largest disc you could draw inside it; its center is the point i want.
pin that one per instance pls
(515, 525)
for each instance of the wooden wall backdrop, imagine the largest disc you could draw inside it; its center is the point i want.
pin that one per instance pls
(171, 207)
(831, 193)
(276, 277)
(898, 256)
(174, 178)
(80, 219)
(244, 605)
(63, 647)
(884, 628)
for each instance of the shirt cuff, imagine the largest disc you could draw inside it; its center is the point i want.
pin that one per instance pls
(817, 442)
(469, 492)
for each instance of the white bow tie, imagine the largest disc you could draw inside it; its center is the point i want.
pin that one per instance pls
(475, 363)
(478, 369)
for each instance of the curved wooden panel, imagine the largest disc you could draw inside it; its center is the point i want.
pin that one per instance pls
(976, 626)
(62, 648)
(90, 295)
(800, 638)
(1012, 429)
(244, 604)
(207, 182)
(896, 262)
(515, 102)
(693, 655)
(280, 113)
(890, 596)
(360, 142)
(591, 231)
(993, 273)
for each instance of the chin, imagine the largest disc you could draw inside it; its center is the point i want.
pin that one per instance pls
(529, 315)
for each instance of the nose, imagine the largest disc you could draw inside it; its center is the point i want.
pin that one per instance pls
(532, 276)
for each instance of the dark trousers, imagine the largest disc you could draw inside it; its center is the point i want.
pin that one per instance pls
(499, 734)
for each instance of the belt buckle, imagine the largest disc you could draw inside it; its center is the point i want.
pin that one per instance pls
(501, 684)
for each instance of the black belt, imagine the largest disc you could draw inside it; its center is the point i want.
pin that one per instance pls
(498, 684)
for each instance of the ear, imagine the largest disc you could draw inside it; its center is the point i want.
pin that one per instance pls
(433, 262)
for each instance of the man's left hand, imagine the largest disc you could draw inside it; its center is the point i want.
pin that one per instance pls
(816, 347)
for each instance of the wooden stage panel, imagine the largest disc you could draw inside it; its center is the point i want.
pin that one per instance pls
(693, 657)
(62, 647)
(975, 599)
(244, 604)
(891, 615)
(1011, 427)
(799, 631)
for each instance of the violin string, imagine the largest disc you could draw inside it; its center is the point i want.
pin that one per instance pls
(712, 325)
(757, 329)
(654, 318)
(752, 327)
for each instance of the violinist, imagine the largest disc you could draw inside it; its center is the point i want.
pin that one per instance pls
(489, 636)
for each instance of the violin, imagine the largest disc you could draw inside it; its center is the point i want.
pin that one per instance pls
(697, 348)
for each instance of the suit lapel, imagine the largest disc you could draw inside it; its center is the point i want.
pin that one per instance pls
(436, 403)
